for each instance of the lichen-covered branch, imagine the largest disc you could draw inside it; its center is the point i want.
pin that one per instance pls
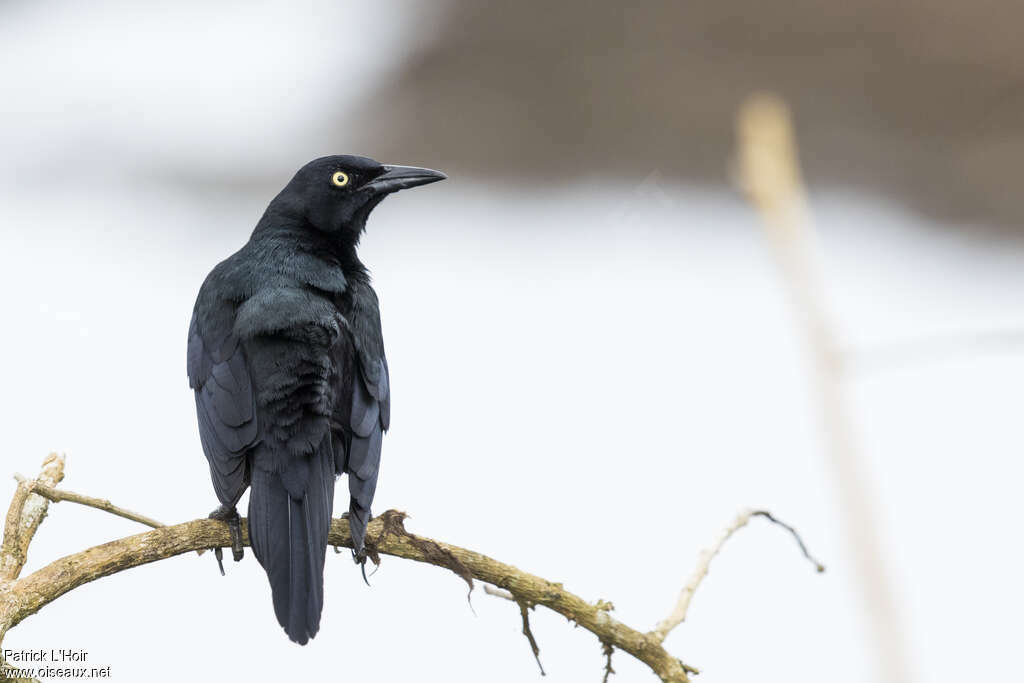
(22, 597)
(386, 535)
(11, 557)
(24, 516)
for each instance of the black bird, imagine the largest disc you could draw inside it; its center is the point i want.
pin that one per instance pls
(286, 358)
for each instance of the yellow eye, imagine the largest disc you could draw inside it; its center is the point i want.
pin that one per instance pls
(340, 179)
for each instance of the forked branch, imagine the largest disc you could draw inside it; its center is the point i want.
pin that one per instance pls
(22, 597)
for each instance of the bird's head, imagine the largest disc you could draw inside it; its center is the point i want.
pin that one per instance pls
(336, 194)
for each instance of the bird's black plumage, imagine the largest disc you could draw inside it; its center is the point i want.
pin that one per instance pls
(286, 358)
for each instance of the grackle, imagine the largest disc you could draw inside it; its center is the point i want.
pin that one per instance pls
(286, 359)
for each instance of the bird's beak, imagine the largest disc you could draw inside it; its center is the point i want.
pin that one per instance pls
(401, 177)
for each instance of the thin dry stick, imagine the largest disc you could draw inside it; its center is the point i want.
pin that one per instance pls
(682, 605)
(818, 566)
(528, 632)
(769, 173)
(607, 650)
(499, 593)
(58, 495)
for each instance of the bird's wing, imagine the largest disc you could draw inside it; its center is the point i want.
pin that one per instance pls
(370, 417)
(225, 404)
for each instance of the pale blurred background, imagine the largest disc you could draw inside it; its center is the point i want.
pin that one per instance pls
(586, 331)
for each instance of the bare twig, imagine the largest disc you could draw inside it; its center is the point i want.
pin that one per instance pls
(499, 593)
(58, 495)
(528, 632)
(682, 605)
(608, 651)
(796, 536)
(769, 173)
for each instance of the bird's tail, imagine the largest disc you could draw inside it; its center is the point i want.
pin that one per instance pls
(289, 517)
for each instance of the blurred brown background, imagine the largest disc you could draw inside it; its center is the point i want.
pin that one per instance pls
(919, 101)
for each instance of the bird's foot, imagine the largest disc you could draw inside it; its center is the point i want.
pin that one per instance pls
(360, 559)
(234, 522)
(337, 549)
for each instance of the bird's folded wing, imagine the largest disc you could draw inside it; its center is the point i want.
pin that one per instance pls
(370, 417)
(225, 404)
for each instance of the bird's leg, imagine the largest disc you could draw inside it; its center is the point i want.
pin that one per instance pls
(337, 550)
(234, 522)
(219, 554)
(359, 558)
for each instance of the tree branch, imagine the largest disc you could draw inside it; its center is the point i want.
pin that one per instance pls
(10, 553)
(386, 535)
(57, 495)
(499, 593)
(22, 597)
(24, 516)
(744, 516)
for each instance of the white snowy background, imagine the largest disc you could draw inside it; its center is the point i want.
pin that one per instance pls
(589, 379)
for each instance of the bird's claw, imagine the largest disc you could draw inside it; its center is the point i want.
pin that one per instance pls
(360, 559)
(234, 522)
(219, 554)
